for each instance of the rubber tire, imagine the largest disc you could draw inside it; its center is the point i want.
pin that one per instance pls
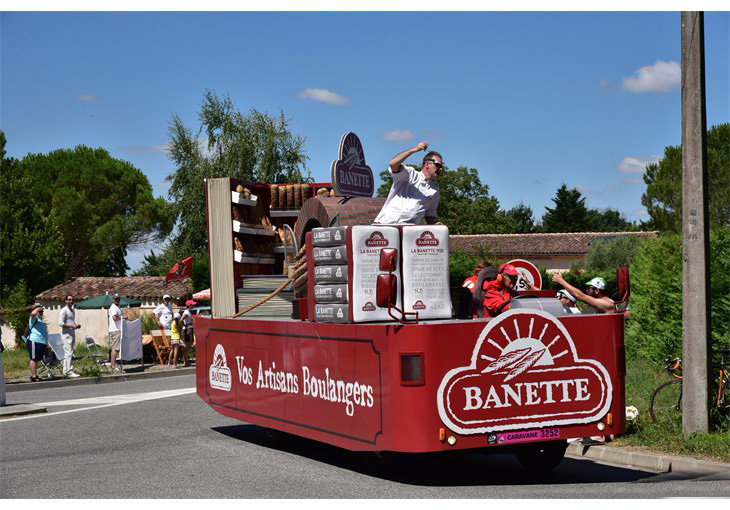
(665, 400)
(542, 456)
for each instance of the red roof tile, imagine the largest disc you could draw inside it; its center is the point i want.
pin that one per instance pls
(571, 243)
(137, 287)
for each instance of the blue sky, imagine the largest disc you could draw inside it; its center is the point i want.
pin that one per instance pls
(531, 100)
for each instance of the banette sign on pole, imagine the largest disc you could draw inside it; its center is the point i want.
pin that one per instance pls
(351, 177)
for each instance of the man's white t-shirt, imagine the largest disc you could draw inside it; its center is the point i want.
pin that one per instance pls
(164, 314)
(115, 324)
(410, 199)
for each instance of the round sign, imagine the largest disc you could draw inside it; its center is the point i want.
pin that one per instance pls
(528, 271)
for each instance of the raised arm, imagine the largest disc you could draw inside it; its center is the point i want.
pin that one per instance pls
(397, 161)
(582, 296)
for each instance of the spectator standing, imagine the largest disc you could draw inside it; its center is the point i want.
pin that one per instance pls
(67, 321)
(178, 346)
(163, 313)
(2, 369)
(37, 341)
(188, 327)
(115, 330)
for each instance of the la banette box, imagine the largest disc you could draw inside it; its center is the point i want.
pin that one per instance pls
(344, 263)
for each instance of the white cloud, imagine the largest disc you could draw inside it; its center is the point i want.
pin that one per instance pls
(640, 213)
(324, 96)
(87, 98)
(398, 135)
(635, 165)
(661, 77)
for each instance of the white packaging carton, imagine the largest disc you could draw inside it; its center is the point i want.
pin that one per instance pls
(367, 241)
(426, 271)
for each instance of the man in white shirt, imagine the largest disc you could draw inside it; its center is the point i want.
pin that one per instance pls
(115, 330)
(67, 321)
(413, 195)
(163, 312)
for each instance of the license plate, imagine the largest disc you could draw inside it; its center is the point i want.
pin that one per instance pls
(523, 436)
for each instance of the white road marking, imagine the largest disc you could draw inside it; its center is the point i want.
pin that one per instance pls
(99, 402)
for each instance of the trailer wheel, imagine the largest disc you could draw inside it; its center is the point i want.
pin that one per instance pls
(542, 456)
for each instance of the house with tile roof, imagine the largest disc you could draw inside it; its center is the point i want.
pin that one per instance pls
(148, 289)
(555, 252)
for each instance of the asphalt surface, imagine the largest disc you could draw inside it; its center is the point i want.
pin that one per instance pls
(154, 438)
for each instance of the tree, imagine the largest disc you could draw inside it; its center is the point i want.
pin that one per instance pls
(465, 204)
(607, 220)
(31, 252)
(519, 220)
(256, 147)
(663, 196)
(569, 214)
(75, 213)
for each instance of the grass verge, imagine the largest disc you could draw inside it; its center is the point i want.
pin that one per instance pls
(642, 377)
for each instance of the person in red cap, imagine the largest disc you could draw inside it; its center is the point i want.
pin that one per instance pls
(471, 282)
(188, 335)
(499, 291)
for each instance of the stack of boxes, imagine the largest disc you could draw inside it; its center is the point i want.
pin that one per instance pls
(346, 264)
(329, 252)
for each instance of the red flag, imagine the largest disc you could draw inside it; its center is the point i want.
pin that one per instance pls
(181, 270)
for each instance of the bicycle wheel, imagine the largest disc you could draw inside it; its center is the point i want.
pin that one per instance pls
(666, 402)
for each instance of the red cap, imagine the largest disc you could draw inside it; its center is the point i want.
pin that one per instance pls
(190, 302)
(508, 269)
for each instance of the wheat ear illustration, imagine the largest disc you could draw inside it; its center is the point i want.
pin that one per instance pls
(524, 364)
(507, 359)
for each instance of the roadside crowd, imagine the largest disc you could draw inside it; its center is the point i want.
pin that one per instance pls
(178, 325)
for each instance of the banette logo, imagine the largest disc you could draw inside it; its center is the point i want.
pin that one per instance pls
(376, 239)
(219, 373)
(524, 373)
(418, 305)
(368, 307)
(427, 239)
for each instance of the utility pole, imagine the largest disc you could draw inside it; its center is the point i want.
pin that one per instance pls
(695, 230)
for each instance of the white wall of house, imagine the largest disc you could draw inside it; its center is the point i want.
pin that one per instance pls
(94, 323)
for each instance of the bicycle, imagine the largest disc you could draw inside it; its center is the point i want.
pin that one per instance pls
(666, 401)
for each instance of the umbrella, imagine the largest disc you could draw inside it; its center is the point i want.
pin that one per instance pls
(202, 295)
(105, 301)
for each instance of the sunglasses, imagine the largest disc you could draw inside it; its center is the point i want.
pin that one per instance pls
(438, 165)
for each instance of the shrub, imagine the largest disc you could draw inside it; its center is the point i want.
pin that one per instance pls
(462, 264)
(607, 255)
(655, 328)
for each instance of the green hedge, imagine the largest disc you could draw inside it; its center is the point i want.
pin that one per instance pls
(655, 328)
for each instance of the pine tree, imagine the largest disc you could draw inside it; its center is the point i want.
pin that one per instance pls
(569, 214)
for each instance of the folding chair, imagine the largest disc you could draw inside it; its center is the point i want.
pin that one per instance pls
(94, 357)
(161, 345)
(53, 357)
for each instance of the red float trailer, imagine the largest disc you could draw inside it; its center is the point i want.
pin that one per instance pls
(525, 381)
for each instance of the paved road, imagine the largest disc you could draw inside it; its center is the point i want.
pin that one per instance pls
(156, 438)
